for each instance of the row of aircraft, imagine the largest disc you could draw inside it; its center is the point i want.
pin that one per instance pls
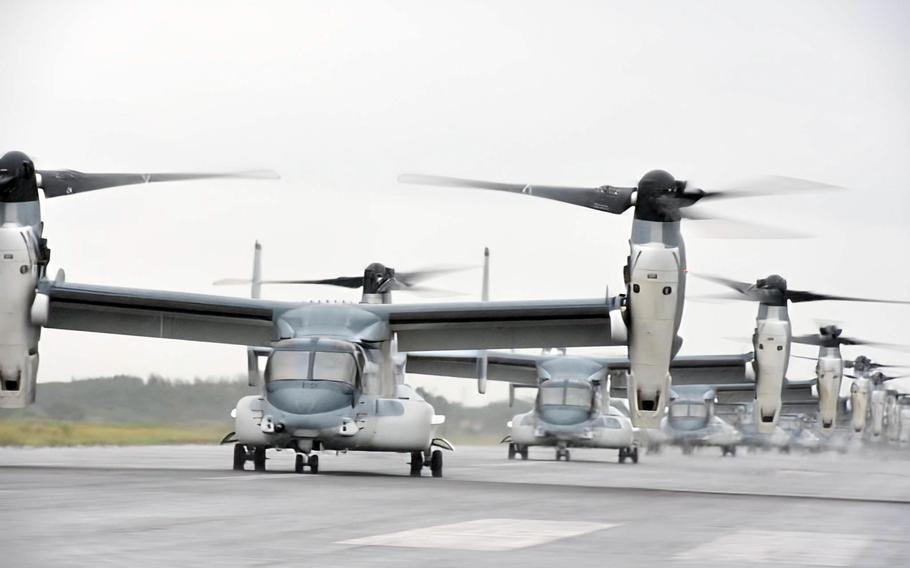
(334, 374)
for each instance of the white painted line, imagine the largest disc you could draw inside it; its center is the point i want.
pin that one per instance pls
(779, 547)
(489, 535)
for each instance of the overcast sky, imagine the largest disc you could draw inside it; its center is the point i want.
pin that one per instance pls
(341, 97)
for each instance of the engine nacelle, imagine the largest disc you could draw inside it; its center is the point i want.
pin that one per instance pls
(19, 271)
(859, 404)
(653, 304)
(247, 419)
(829, 379)
(877, 411)
(772, 353)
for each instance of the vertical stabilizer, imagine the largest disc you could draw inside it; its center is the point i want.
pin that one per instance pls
(256, 284)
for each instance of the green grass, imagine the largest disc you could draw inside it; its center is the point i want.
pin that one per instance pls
(36, 433)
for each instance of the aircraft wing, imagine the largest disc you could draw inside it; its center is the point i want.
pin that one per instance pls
(152, 313)
(708, 370)
(515, 368)
(499, 325)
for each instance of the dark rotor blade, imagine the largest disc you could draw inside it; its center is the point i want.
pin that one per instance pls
(809, 339)
(744, 289)
(343, 281)
(57, 183)
(806, 296)
(895, 377)
(422, 290)
(856, 341)
(604, 198)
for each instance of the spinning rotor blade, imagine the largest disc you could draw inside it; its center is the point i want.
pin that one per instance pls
(763, 186)
(57, 183)
(605, 198)
(806, 296)
(743, 289)
(808, 339)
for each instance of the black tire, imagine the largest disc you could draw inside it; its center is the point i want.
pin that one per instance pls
(634, 454)
(313, 463)
(298, 463)
(732, 451)
(566, 455)
(523, 451)
(259, 458)
(239, 457)
(622, 455)
(436, 463)
(512, 451)
(416, 463)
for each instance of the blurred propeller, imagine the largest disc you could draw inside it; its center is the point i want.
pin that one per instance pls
(773, 290)
(376, 279)
(656, 197)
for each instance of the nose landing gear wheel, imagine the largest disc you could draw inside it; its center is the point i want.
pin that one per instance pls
(728, 451)
(562, 454)
(259, 458)
(436, 463)
(298, 463)
(416, 463)
(313, 463)
(239, 457)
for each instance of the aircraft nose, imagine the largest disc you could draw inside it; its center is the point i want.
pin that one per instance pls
(563, 415)
(310, 397)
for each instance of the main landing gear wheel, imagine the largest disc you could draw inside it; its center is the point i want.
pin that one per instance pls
(728, 451)
(239, 457)
(298, 463)
(562, 454)
(513, 450)
(313, 463)
(630, 453)
(259, 458)
(436, 463)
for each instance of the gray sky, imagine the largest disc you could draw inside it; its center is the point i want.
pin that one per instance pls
(341, 97)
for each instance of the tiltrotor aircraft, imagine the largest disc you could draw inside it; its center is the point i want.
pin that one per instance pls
(331, 368)
(575, 404)
(829, 369)
(771, 341)
(655, 273)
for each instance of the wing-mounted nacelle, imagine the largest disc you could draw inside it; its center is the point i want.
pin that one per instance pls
(22, 312)
(771, 343)
(654, 308)
(830, 372)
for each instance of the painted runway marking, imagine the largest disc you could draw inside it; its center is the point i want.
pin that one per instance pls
(779, 547)
(488, 535)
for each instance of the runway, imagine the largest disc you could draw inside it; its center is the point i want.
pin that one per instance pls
(183, 506)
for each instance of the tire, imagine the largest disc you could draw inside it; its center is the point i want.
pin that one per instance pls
(524, 452)
(634, 454)
(416, 463)
(566, 455)
(313, 463)
(239, 457)
(259, 458)
(732, 451)
(512, 451)
(436, 463)
(298, 463)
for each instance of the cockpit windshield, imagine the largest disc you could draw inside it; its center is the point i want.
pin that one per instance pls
(565, 393)
(688, 409)
(312, 365)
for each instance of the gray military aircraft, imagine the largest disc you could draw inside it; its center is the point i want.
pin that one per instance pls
(771, 341)
(331, 379)
(655, 273)
(829, 369)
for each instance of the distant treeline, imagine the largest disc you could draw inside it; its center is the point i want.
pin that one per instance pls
(125, 399)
